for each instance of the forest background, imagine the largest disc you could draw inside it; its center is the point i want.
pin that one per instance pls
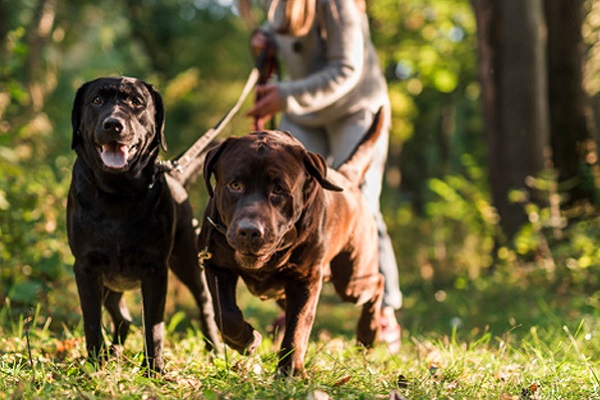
(491, 192)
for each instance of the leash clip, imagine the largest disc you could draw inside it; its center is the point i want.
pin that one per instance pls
(177, 166)
(203, 256)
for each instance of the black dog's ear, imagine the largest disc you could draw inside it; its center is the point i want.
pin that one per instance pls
(209, 163)
(159, 115)
(76, 114)
(317, 167)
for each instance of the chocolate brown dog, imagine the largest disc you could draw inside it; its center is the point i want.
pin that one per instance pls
(128, 221)
(278, 218)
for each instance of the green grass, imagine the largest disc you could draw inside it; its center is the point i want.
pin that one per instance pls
(498, 355)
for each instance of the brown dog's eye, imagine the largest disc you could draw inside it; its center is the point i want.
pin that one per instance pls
(235, 185)
(97, 100)
(278, 189)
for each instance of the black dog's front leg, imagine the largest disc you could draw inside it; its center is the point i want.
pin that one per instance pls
(116, 307)
(91, 290)
(237, 333)
(154, 292)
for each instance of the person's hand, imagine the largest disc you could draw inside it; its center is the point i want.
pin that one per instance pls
(258, 41)
(268, 103)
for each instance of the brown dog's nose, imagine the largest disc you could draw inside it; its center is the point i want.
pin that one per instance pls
(112, 124)
(249, 230)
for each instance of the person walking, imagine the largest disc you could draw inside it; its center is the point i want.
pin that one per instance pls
(334, 88)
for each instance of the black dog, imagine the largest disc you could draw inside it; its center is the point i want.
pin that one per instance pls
(128, 221)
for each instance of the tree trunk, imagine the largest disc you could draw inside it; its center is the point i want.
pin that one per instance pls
(571, 136)
(512, 70)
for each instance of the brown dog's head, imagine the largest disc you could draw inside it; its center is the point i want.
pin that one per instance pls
(262, 184)
(118, 123)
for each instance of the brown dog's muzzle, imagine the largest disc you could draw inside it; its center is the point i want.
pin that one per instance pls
(247, 236)
(252, 238)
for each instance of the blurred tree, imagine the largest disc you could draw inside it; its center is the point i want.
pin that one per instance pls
(532, 97)
(571, 124)
(513, 77)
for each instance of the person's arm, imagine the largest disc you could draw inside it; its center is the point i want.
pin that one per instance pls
(344, 61)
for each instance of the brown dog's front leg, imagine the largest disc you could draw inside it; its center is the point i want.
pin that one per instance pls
(237, 333)
(154, 293)
(90, 297)
(301, 307)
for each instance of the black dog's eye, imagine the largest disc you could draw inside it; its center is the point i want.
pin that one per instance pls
(235, 185)
(136, 101)
(97, 100)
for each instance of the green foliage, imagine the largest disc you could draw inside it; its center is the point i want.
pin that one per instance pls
(455, 236)
(561, 242)
(33, 249)
(434, 41)
(462, 210)
(428, 50)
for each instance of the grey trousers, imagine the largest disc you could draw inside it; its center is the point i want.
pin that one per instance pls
(336, 141)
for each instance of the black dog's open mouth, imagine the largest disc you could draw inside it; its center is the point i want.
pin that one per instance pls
(115, 155)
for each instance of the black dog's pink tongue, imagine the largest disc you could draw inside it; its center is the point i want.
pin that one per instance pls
(114, 155)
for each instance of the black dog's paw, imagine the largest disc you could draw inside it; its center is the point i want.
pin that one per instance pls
(152, 369)
(253, 344)
(116, 350)
(245, 346)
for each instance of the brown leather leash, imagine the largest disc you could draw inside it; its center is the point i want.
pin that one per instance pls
(181, 163)
(265, 65)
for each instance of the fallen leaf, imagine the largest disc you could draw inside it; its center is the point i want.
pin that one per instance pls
(343, 381)
(65, 345)
(532, 392)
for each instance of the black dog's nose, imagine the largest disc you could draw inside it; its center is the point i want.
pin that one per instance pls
(112, 124)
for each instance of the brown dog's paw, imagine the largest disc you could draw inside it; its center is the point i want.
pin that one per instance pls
(288, 369)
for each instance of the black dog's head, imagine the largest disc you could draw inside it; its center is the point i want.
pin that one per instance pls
(118, 122)
(263, 183)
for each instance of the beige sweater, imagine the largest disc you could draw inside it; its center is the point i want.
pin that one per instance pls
(333, 70)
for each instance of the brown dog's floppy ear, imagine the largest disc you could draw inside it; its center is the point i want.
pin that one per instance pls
(317, 167)
(209, 164)
(76, 114)
(159, 115)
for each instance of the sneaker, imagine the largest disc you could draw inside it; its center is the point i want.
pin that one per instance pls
(390, 331)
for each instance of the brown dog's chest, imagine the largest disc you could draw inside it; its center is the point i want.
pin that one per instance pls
(269, 287)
